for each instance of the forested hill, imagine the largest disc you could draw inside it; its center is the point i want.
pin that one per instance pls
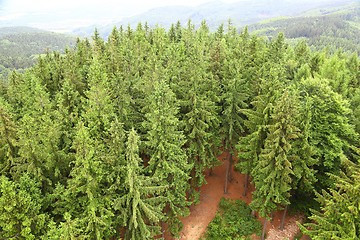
(112, 138)
(245, 12)
(324, 27)
(20, 46)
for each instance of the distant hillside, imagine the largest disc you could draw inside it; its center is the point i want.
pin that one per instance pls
(241, 13)
(19, 46)
(323, 27)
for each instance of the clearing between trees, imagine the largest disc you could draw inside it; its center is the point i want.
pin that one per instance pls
(211, 193)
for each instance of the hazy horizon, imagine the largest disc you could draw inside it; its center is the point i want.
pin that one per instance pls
(67, 15)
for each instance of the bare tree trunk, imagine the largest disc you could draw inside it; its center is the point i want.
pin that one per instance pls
(227, 175)
(162, 230)
(283, 218)
(211, 171)
(253, 213)
(246, 184)
(264, 230)
(230, 167)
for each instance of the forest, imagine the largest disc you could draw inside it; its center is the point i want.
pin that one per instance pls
(329, 28)
(111, 139)
(20, 47)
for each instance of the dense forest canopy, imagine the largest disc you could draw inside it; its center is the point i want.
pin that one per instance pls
(21, 46)
(332, 28)
(111, 138)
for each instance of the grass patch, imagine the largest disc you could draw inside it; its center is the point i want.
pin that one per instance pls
(232, 221)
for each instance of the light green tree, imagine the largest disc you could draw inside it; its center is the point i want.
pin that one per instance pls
(142, 204)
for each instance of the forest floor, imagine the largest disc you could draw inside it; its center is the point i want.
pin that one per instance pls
(210, 194)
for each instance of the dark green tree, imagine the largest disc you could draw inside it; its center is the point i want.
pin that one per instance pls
(331, 136)
(85, 197)
(168, 159)
(338, 217)
(8, 138)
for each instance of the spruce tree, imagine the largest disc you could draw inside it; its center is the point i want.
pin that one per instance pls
(338, 217)
(39, 137)
(8, 139)
(273, 173)
(21, 209)
(84, 197)
(168, 160)
(141, 205)
(199, 113)
(233, 99)
(331, 136)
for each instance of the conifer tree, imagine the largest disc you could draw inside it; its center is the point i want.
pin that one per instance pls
(98, 110)
(21, 209)
(69, 106)
(141, 204)
(330, 134)
(273, 173)
(168, 160)
(69, 229)
(199, 113)
(233, 99)
(8, 139)
(84, 197)
(338, 217)
(302, 153)
(39, 136)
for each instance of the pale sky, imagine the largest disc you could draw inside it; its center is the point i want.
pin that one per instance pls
(55, 14)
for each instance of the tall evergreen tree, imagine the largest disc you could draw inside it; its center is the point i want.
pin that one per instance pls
(84, 197)
(330, 134)
(338, 217)
(21, 209)
(8, 139)
(198, 99)
(39, 136)
(233, 99)
(141, 204)
(168, 160)
(273, 173)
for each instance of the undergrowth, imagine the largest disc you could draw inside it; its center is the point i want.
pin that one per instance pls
(233, 221)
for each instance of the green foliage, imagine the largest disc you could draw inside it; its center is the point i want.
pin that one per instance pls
(330, 133)
(21, 203)
(233, 221)
(19, 48)
(69, 125)
(338, 217)
(333, 30)
(142, 203)
(273, 172)
(8, 139)
(168, 160)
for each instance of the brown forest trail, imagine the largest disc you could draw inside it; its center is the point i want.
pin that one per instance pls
(210, 194)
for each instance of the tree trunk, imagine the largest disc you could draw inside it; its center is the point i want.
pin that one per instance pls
(230, 167)
(264, 230)
(227, 175)
(211, 171)
(253, 213)
(246, 184)
(162, 230)
(283, 218)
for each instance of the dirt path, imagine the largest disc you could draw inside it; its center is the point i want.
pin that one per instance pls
(211, 193)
